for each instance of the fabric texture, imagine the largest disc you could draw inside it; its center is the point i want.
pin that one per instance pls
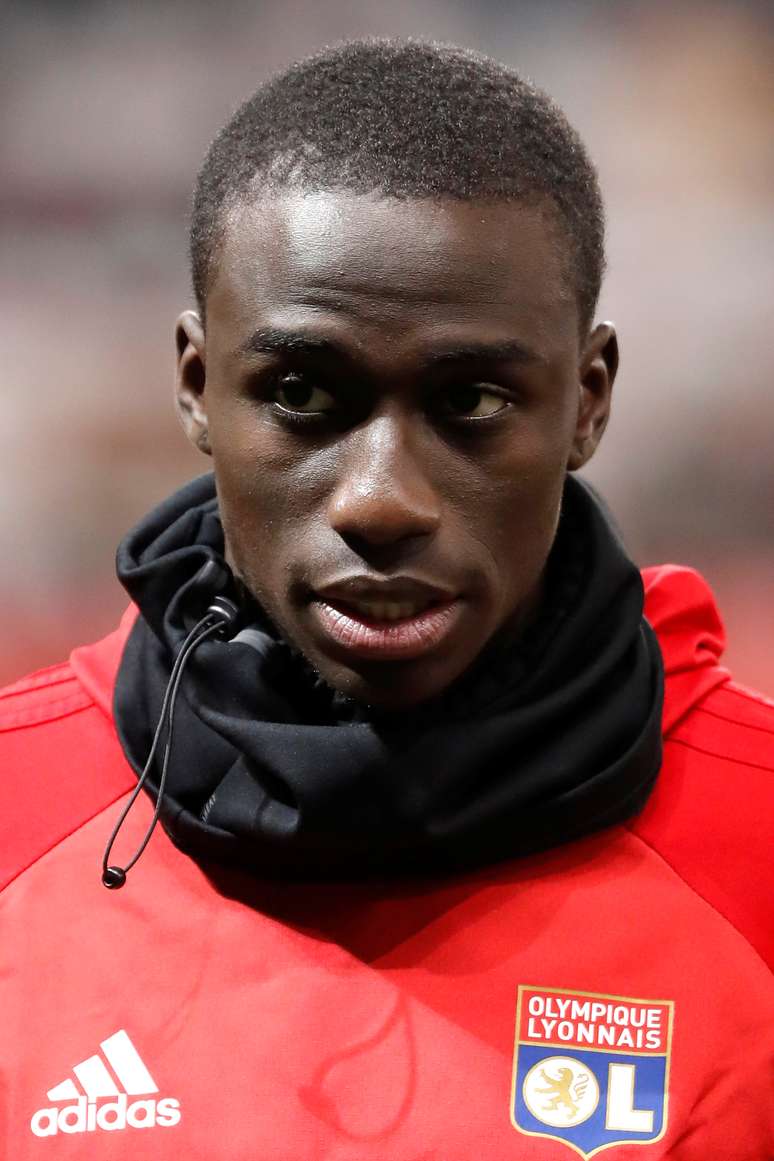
(376, 1018)
(539, 743)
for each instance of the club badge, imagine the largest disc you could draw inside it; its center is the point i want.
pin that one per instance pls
(591, 1070)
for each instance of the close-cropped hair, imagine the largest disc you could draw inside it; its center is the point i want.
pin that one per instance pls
(403, 119)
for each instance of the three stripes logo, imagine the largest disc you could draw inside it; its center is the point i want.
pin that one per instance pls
(102, 1102)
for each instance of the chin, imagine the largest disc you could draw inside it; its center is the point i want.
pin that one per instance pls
(390, 687)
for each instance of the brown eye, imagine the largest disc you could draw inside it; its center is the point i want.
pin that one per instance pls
(470, 401)
(295, 394)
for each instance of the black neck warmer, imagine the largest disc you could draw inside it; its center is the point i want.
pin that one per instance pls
(539, 743)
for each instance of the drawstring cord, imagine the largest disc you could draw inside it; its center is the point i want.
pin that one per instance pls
(220, 616)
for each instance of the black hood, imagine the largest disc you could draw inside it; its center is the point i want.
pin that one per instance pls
(537, 744)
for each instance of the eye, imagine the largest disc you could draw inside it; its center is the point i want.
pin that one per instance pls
(472, 401)
(294, 393)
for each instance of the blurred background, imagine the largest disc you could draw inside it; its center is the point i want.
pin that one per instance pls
(106, 111)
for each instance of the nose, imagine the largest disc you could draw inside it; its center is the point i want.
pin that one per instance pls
(383, 495)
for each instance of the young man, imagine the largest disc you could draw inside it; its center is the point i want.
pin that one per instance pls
(462, 854)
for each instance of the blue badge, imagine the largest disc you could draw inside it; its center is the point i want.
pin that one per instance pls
(591, 1070)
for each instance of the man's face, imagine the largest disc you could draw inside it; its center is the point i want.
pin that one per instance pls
(392, 392)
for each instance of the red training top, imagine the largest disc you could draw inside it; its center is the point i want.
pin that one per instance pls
(610, 994)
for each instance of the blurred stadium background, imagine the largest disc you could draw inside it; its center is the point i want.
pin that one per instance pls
(106, 111)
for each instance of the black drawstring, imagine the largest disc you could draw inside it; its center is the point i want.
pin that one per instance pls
(220, 616)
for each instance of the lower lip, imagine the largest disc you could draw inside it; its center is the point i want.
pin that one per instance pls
(386, 640)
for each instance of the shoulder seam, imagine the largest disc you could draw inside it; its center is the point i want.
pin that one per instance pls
(53, 713)
(723, 757)
(698, 894)
(28, 685)
(735, 721)
(62, 838)
(749, 694)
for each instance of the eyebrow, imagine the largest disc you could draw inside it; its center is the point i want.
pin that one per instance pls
(274, 341)
(511, 351)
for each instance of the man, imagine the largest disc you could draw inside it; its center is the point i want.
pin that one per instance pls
(432, 784)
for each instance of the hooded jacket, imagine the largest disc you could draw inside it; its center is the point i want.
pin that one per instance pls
(610, 993)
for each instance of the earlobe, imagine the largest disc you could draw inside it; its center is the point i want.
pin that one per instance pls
(190, 380)
(596, 374)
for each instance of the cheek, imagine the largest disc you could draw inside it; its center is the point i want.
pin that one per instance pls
(516, 531)
(516, 474)
(268, 487)
(508, 504)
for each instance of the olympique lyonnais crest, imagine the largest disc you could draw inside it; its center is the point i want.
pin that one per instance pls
(591, 1070)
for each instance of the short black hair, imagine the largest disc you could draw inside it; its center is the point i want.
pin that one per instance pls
(407, 119)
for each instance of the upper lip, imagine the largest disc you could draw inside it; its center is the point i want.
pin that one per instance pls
(399, 588)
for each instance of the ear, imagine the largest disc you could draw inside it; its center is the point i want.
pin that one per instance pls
(190, 379)
(596, 374)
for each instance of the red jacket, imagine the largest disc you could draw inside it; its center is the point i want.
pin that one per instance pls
(205, 1014)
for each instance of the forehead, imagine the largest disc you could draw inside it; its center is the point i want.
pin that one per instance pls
(390, 263)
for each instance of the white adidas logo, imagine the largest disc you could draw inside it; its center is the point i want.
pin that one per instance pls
(85, 1115)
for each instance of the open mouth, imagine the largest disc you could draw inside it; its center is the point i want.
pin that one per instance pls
(378, 611)
(383, 629)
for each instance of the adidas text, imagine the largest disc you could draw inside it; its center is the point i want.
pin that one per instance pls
(85, 1116)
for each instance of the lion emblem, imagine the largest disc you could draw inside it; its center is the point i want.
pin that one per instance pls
(559, 1088)
(561, 1091)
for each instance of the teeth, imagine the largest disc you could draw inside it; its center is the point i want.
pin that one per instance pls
(388, 610)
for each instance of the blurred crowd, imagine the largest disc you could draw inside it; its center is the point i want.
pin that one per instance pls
(106, 112)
